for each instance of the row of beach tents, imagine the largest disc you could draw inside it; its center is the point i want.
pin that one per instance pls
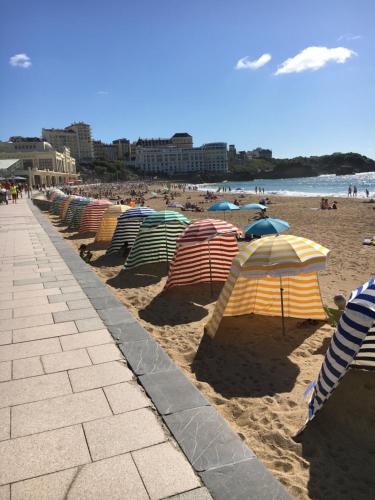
(272, 276)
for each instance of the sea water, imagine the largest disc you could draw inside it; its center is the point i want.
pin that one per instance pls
(324, 185)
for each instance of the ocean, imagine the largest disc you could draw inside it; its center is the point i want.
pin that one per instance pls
(324, 185)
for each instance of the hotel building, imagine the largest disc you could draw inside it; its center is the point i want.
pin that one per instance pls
(76, 137)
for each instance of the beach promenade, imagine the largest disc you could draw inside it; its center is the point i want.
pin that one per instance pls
(75, 367)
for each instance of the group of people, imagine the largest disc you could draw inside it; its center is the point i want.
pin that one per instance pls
(325, 205)
(353, 191)
(259, 190)
(11, 191)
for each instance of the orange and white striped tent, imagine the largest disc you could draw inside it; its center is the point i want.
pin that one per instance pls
(92, 215)
(273, 276)
(64, 206)
(204, 253)
(108, 223)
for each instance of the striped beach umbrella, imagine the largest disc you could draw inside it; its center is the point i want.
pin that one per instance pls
(352, 346)
(92, 215)
(71, 208)
(156, 239)
(127, 228)
(204, 253)
(108, 223)
(77, 214)
(274, 276)
(55, 206)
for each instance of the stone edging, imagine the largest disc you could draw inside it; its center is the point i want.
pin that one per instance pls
(228, 468)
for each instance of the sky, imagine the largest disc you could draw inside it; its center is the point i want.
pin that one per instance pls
(295, 76)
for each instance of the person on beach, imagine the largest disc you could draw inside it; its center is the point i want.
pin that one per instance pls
(367, 193)
(349, 190)
(355, 191)
(13, 192)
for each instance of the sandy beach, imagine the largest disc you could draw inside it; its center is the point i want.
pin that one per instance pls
(257, 384)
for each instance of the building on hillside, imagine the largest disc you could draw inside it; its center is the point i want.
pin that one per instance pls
(47, 165)
(76, 137)
(103, 151)
(260, 153)
(182, 140)
(173, 160)
(123, 148)
(232, 152)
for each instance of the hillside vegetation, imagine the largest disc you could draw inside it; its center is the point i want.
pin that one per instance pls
(301, 166)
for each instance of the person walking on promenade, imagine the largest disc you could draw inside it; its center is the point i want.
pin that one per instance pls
(13, 192)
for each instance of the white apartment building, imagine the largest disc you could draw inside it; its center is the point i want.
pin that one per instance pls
(76, 137)
(47, 165)
(174, 160)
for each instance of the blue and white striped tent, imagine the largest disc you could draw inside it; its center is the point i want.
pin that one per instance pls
(127, 228)
(352, 345)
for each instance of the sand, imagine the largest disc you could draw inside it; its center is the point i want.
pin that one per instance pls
(258, 384)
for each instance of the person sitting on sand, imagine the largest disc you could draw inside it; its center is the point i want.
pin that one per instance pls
(334, 205)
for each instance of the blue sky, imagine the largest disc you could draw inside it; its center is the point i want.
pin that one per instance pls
(151, 68)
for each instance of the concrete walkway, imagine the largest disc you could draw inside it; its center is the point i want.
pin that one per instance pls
(74, 422)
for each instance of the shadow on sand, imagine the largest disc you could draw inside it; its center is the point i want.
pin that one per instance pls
(253, 363)
(339, 443)
(138, 277)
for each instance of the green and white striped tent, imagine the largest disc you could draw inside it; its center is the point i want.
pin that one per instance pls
(156, 240)
(78, 210)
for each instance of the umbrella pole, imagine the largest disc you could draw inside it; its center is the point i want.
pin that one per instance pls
(282, 307)
(209, 261)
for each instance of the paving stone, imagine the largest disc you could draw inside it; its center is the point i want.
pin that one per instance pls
(115, 315)
(25, 263)
(4, 424)
(87, 339)
(85, 325)
(5, 337)
(5, 371)
(39, 309)
(59, 412)
(42, 453)
(248, 480)
(197, 494)
(129, 331)
(146, 357)
(25, 301)
(43, 332)
(28, 367)
(12, 324)
(6, 296)
(79, 304)
(31, 281)
(29, 349)
(61, 284)
(105, 302)
(206, 438)
(24, 288)
(71, 289)
(46, 292)
(127, 396)
(104, 353)
(5, 492)
(114, 478)
(106, 437)
(91, 377)
(171, 391)
(59, 317)
(165, 471)
(93, 292)
(65, 360)
(5, 314)
(67, 297)
(27, 390)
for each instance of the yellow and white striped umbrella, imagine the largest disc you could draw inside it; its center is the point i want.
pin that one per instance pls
(281, 255)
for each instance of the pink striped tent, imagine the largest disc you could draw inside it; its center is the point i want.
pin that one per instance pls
(204, 253)
(92, 215)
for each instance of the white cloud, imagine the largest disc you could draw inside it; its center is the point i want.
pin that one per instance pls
(314, 58)
(244, 63)
(102, 92)
(20, 61)
(349, 37)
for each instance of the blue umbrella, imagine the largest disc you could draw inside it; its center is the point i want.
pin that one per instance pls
(223, 206)
(261, 227)
(253, 206)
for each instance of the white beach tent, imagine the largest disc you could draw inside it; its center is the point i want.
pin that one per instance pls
(352, 346)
